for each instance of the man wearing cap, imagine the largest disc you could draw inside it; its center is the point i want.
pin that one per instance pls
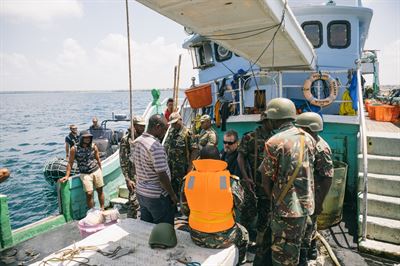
(323, 173)
(87, 156)
(251, 154)
(287, 172)
(207, 135)
(71, 139)
(126, 165)
(180, 147)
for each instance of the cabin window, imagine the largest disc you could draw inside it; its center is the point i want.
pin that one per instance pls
(313, 31)
(202, 56)
(339, 34)
(221, 53)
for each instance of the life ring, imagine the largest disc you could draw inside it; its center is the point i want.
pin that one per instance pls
(333, 88)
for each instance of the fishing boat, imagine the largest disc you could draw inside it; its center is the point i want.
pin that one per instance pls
(247, 53)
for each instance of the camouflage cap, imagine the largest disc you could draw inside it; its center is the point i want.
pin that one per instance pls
(174, 117)
(205, 118)
(263, 117)
(138, 120)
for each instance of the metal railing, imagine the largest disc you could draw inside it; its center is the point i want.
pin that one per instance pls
(363, 131)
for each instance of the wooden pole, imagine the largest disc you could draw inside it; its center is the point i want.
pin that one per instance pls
(129, 68)
(177, 84)
(174, 88)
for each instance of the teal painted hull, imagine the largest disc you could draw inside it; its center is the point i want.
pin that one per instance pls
(342, 139)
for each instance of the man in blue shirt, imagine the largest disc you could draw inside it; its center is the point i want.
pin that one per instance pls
(71, 139)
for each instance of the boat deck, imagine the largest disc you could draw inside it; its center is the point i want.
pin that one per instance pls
(378, 128)
(132, 233)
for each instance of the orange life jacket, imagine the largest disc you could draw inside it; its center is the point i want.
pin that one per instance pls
(209, 196)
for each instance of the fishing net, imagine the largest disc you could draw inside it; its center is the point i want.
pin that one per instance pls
(56, 168)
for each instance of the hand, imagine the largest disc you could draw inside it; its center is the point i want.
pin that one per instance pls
(174, 199)
(131, 185)
(63, 179)
(250, 184)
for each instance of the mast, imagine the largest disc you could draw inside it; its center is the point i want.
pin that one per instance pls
(129, 68)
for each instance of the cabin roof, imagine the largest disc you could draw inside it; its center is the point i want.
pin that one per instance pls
(246, 28)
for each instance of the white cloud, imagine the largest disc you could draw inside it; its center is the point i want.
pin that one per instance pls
(73, 55)
(105, 67)
(389, 60)
(41, 11)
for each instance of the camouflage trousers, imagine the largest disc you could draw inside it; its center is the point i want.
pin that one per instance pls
(263, 209)
(287, 236)
(311, 230)
(236, 235)
(249, 209)
(132, 205)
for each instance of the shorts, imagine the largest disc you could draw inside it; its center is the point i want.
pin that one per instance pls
(95, 178)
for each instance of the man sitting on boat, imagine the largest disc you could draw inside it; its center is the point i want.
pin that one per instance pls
(71, 139)
(87, 156)
(156, 197)
(127, 166)
(208, 197)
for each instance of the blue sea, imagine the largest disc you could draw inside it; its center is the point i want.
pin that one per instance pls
(33, 126)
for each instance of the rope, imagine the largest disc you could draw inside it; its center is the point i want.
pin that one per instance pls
(71, 255)
(129, 67)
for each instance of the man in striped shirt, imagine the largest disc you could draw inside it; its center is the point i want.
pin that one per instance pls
(156, 197)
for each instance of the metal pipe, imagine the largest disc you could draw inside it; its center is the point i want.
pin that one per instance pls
(364, 153)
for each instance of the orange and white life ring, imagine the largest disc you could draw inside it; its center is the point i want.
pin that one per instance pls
(333, 88)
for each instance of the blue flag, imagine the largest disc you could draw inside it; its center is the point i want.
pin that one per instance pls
(353, 91)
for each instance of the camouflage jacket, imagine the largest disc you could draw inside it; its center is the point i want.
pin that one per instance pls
(247, 147)
(282, 156)
(124, 153)
(237, 191)
(207, 137)
(178, 146)
(323, 165)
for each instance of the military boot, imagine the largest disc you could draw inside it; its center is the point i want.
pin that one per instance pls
(312, 251)
(303, 261)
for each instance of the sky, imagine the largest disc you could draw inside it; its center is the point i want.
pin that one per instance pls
(58, 45)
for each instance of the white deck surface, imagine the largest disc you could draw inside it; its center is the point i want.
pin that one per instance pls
(134, 233)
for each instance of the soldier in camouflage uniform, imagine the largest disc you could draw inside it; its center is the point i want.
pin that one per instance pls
(288, 179)
(126, 164)
(207, 135)
(323, 173)
(180, 146)
(237, 234)
(251, 154)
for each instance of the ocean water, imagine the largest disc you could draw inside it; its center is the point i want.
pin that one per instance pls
(32, 129)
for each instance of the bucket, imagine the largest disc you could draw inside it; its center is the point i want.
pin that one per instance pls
(332, 208)
(199, 96)
(371, 111)
(384, 113)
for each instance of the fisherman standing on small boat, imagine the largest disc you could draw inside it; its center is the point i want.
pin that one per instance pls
(127, 166)
(288, 179)
(71, 139)
(181, 149)
(207, 135)
(209, 195)
(156, 197)
(251, 154)
(230, 152)
(87, 156)
(323, 173)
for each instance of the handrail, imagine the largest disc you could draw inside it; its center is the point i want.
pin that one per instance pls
(364, 153)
